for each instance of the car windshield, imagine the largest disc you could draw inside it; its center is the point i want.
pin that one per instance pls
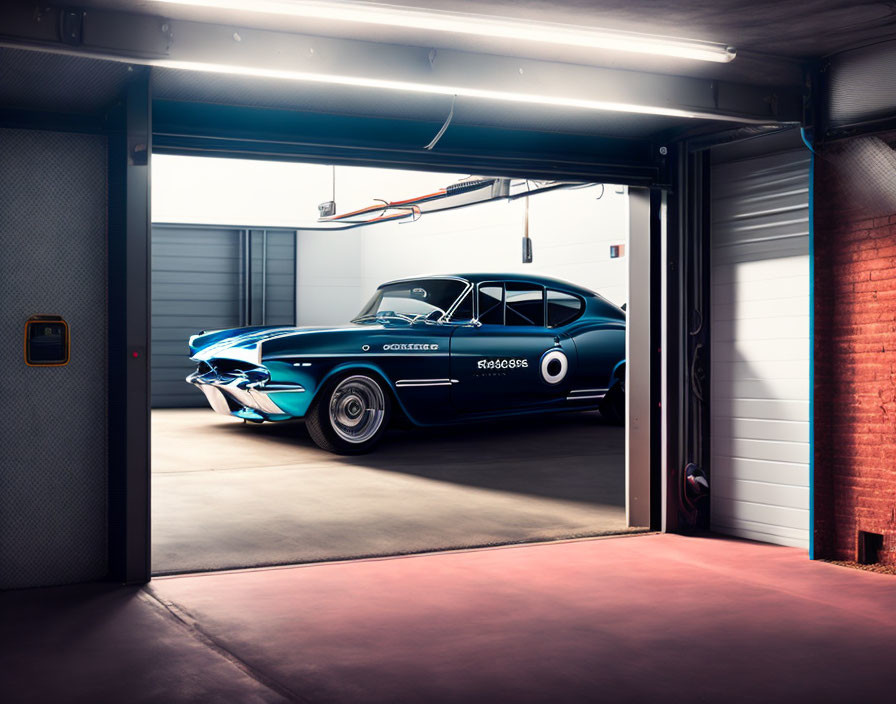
(411, 300)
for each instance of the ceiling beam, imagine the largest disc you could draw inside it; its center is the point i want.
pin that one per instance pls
(158, 41)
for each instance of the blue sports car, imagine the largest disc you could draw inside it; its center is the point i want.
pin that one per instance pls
(433, 350)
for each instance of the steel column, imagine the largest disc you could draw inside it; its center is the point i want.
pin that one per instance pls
(685, 338)
(638, 427)
(130, 147)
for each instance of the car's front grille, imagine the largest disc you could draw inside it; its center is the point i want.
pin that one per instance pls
(230, 366)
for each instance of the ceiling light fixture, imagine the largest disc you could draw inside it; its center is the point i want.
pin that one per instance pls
(435, 89)
(478, 25)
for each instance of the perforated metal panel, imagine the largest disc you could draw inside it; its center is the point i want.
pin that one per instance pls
(761, 348)
(862, 84)
(57, 82)
(53, 436)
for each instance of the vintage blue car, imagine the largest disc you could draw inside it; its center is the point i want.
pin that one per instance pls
(433, 350)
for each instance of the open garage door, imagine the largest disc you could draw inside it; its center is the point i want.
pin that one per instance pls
(475, 456)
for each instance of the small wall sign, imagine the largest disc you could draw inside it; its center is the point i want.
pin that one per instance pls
(46, 341)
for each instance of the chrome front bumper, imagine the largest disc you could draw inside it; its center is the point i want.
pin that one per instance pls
(245, 390)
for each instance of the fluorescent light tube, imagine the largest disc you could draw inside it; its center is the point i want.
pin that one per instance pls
(478, 25)
(410, 86)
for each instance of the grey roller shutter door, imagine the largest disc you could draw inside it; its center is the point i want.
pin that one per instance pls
(273, 281)
(761, 348)
(196, 285)
(200, 282)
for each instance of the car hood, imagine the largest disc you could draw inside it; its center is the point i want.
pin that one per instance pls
(245, 344)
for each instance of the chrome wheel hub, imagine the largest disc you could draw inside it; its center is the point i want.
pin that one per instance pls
(357, 409)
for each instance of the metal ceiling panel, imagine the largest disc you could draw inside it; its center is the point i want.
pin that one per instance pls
(862, 85)
(282, 95)
(771, 36)
(228, 130)
(31, 80)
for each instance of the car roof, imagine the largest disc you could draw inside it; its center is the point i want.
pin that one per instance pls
(547, 281)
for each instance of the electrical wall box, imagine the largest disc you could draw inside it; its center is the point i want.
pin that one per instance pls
(617, 250)
(46, 341)
(527, 250)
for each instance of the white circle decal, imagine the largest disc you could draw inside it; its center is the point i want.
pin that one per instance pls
(553, 367)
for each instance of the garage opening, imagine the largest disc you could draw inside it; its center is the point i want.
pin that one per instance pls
(507, 303)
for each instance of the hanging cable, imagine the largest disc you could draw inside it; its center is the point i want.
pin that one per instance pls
(435, 140)
(527, 241)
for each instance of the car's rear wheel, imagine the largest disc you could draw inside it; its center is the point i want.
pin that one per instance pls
(349, 415)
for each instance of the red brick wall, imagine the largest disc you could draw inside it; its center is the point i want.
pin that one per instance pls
(855, 366)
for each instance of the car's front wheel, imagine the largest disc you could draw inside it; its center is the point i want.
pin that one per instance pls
(349, 415)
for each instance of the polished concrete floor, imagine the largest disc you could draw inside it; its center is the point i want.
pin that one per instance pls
(647, 618)
(228, 494)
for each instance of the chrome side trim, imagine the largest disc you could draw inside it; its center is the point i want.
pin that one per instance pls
(404, 383)
(281, 388)
(588, 391)
(359, 355)
(583, 397)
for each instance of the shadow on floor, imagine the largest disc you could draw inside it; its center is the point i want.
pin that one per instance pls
(227, 494)
(570, 456)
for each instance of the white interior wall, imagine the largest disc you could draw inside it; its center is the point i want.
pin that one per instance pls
(571, 231)
(328, 276)
(337, 271)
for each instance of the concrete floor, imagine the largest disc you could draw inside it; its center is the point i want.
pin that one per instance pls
(228, 494)
(650, 618)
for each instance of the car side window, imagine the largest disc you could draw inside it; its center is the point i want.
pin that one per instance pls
(464, 310)
(563, 308)
(524, 305)
(491, 304)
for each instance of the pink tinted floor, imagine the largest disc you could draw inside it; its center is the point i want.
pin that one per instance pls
(653, 618)
(638, 619)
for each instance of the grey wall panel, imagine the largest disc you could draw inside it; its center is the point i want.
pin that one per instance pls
(760, 346)
(280, 278)
(198, 283)
(195, 286)
(53, 439)
(273, 277)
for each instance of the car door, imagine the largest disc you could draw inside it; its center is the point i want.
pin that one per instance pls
(510, 360)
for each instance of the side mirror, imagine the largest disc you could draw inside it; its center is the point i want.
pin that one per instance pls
(624, 306)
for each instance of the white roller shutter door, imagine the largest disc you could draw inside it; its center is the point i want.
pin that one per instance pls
(761, 348)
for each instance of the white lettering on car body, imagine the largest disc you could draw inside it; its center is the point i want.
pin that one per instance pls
(424, 346)
(503, 363)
